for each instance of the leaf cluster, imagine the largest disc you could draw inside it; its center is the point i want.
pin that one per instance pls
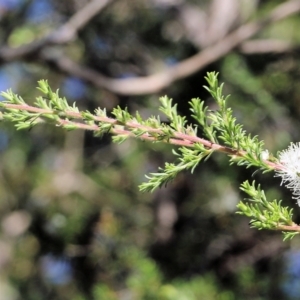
(219, 127)
(221, 132)
(266, 214)
(224, 127)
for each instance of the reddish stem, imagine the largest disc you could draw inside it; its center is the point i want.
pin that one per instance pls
(179, 138)
(293, 227)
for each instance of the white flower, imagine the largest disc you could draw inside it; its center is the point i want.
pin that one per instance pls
(290, 174)
(265, 155)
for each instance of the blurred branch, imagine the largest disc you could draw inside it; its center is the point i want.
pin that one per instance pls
(62, 35)
(203, 27)
(141, 85)
(69, 30)
(266, 46)
(156, 82)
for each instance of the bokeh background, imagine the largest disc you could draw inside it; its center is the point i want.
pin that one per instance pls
(73, 224)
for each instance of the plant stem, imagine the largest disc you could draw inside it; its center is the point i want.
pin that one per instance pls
(179, 138)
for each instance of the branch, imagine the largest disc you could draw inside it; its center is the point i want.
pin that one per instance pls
(218, 125)
(156, 82)
(267, 214)
(69, 30)
(142, 85)
(56, 110)
(291, 228)
(266, 46)
(179, 138)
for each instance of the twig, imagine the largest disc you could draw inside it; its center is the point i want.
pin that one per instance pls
(266, 46)
(292, 228)
(119, 128)
(69, 30)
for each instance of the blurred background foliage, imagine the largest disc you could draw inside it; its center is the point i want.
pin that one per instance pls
(73, 224)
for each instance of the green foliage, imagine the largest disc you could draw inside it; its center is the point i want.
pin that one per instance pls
(76, 199)
(231, 133)
(221, 131)
(146, 282)
(265, 214)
